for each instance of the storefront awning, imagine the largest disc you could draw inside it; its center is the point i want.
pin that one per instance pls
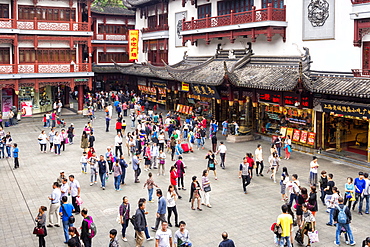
(205, 91)
(346, 108)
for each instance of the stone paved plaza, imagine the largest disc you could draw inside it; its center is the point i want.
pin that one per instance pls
(247, 218)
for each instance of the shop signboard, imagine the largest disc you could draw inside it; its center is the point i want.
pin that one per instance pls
(150, 90)
(159, 84)
(311, 138)
(133, 44)
(205, 91)
(283, 131)
(26, 108)
(7, 99)
(184, 109)
(289, 132)
(184, 87)
(296, 135)
(273, 98)
(346, 109)
(304, 135)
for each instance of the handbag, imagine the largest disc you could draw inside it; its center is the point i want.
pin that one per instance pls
(314, 236)
(161, 162)
(71, 219)
(211, 165)
(353, 198)
(298, 237)
(311, 207)
(39, 230)
(207, 189)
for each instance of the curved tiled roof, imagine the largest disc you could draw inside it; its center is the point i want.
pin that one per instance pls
(112, 10)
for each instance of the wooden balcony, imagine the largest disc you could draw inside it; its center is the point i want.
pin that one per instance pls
(44, 25)
(252, 16)
(360, 1)
(108, 36)
(44, 68)
(361, 73)
(155, 29)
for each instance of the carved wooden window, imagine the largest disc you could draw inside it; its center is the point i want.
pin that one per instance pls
(152, 21)
(112, 29)
(204, 10)
(4, 55)
(366, 56)
(4, 11)
(275, 3)
(47, 55)
(225, 7)
(118, 57)
(44, 13)
(163, 19)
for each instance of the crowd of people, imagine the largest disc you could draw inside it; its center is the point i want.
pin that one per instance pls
(154, 139)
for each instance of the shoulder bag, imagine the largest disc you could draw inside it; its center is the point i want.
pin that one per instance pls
(71, 218)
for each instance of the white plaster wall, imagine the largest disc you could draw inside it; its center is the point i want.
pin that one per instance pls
(338, 54)
(47, 3)
(59, 44)
(111, 49)
(140, 23)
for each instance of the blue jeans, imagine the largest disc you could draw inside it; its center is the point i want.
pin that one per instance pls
(199, 143)
(57, 148)
(203, 141)
(124, 227)
(359, 200)
(47, 123)
(66, 225)
(83, 167)
(8, 151)
(185, 134)
(287, 241)
(93, 175)
(123, 175)
(224, 131)
(2, 152)
(348, 230)
(150, 193)
(331, 215)
(367, 203)
(147, 235)
(117, 182)
(102, 179)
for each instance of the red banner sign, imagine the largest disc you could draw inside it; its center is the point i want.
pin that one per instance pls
(296, 135)
(311, 138)
(303, 137)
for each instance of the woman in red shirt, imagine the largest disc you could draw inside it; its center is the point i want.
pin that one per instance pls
(119, 126)
(250, 162)
(173, 179)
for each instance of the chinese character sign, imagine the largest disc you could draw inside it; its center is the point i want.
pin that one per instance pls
(133, 43)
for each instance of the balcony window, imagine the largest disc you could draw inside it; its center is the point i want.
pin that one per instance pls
(204, 10)
(4, 11)
(4, 55)
(275, 3)
(163, 20)
(225, 7)
(47, 55)
(366, 56)
(118, 57)
(44, 13)
(152, 21)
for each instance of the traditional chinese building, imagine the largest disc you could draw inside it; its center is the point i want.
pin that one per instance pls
(274, 66)
(45, 52)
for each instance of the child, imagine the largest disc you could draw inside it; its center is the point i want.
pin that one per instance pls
(162, 161)
(150, 183)
(44, 120)
(83, 162)
(113, 238)
(123, 126)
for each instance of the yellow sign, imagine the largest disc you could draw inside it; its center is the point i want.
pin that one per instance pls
(133, 43)
(184, 87)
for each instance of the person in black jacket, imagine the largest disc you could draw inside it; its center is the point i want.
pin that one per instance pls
(346, 225)
(85, 229)
(140, 224)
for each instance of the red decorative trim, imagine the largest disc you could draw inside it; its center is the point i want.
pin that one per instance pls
(362, 27)
(360, 1)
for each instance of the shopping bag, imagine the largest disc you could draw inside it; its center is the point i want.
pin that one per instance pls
(79, 201)
(314, 236)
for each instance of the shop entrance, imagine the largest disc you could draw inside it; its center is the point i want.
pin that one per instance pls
(347, 136)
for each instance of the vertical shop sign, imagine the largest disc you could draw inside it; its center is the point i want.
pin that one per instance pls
(7, 101)
(296, 135)
(283, 131)
(184, 87)
(303, 137)
(289, 132)
(311, 138)
(133, 44)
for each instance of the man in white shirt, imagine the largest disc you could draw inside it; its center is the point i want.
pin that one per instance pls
(118, 144)
(259, 159)
(64, 188)
(75, 190)
(59, 108)
(222, 151)
(163, 236)
(154, 153)
(313, 171)
(54, 205)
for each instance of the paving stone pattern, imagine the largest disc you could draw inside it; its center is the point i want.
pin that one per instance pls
(247, 218)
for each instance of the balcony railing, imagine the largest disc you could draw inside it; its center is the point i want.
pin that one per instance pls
(266, 14)
(108, 36)
(44, 25)
(44, 68)
(361, 72)
(360, 1)
(155, 29)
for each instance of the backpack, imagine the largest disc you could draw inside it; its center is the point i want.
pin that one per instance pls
(192, 138)
(342, 217)
(133, 220)
(91, 226)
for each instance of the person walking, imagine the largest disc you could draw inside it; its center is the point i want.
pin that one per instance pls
(287, 147)
(150, 185)
(211, 162)
(274, 161)
(173, 179)
(16, 155)
(75, 190)
(161, 212)
(93, 161)
(84, 141)
(124, 215)
(154, 154)
(103, 171)
(136, 166)
(43, 138)
(107, 121)
(85, 231)
(8, 144)
(113, 242)
(333, 202)
(40, 223)
(222, 151)
(70, 133)
(226, 242)
(195, 193)
(74, 240)
(57, 142)
(163, 236)
(360, 184)
(140, 224)
(180, 166)
(285, 221)
(171, 205)
(308, 223)
(342, 218)
(181, 237)
(124, 166)
(162, 162)
(313, 171)
(323, 185)
(214, 142)
(117, 173)
(83, 162)
(259, 160)
(206, 189)
(312, 201)
(54, 205)
(118, 144)
(65, 211)
(283, 182)
(349, 193)
(244, 174)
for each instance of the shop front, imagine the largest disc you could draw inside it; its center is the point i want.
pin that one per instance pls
(346, 129)
(33, 102)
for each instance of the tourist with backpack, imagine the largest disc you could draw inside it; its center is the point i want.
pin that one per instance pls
(342, 218)
(88, 229)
